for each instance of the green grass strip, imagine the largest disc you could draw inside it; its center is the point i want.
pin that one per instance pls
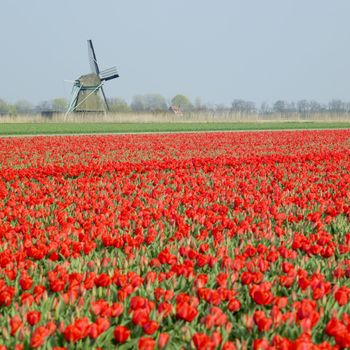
(90, 128)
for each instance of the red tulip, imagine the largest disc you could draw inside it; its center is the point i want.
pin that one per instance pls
(202, 341)
(229, 346)
(146, 343)
(38, 337)
(261, 296)
(15, 324)
(261, 344)
(26, 282)
(163, 340)
(33, 317)
(140, 317)
(186, 312)
(342, 295)
(103, 280)
(150, 327)
(121, 334)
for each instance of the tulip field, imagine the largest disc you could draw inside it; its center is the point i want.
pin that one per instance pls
(227, 240)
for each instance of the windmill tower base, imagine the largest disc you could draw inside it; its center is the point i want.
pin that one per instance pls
(86, 97)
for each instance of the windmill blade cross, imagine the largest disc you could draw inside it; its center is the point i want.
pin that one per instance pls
(87, 89)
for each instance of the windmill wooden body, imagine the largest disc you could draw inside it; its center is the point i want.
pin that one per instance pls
(88, 95)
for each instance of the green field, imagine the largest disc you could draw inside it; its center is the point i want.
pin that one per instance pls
(90, 128)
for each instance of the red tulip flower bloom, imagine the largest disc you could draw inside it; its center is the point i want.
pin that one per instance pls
(342, 295)
(33, 317)
(163, 340)
(15, 324)
(150, 327)
(229, 346)
(38, 337)
(25, 282)
(103, 280)
(146, 343)
(202, 341)
(261, 295)
(186, 312)
(140, 317)
(121, 334)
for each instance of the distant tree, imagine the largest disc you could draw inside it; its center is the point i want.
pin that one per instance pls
(59, 104)
(221, 108)
(210, 107)
(315, 107)
(336, 106)
(250, 107)
(199, 105)
(347, 107)
(43, 106)
(242, 106)
(119, 105)
(303, 107)
(138, 103)
(291, 107)
(238, 105)
(183, 102)
(156, 102)
(24, 107)
(280, 106)
(265, 108)
(148, 103)
(4, 107)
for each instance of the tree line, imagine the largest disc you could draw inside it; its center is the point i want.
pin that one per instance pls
(158, 103)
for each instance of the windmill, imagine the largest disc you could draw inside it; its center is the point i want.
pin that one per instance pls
(86, 89)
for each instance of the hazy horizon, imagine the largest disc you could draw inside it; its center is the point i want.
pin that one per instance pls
(258, 51)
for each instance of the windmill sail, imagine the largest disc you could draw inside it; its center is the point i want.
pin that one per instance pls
(92, 58)
(104, 98)
(109, 74)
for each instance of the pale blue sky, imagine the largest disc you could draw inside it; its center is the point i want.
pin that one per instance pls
(260, 50)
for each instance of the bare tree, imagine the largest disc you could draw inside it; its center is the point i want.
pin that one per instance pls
(148, 103)
(315, 107)
(303, 107)
(117, 104)
(199, 106)
(4, 107)
(265, 108)
(242, 106)
(280, 106)
(59, 104)
(336, 106)
(23, 107)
